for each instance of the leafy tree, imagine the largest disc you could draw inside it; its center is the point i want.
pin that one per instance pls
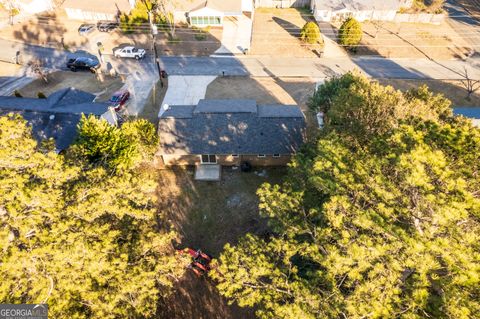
(350, 33)
(310, 33)
(370, 223)
(80, 238)
(116, 148)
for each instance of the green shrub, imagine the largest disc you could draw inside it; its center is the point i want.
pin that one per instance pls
(41, 95)
(310, 33)
(201, 34)
(350, 33)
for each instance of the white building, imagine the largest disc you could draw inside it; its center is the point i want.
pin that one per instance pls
(30, 7)
(339, 10)
(202, 13)
(95, 10)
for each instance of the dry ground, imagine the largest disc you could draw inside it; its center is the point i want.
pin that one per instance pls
(208, 215)
(412, 40)
(277, 32)
(56, 30)
(266, 90)
(453, 90)
(85, 81)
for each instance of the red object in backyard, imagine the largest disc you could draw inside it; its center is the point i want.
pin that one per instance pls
(200, 264)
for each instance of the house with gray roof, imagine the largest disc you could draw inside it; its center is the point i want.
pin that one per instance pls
(229, 132)
(58, 115)
(472, 113)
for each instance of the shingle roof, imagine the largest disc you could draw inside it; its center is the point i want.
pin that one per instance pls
(270, 129)
(55, 117)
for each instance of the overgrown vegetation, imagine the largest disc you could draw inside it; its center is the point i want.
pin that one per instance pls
(379, 217)
(81, 232)
(425, 6)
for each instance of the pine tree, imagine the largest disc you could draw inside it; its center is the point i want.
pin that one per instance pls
(377, 219)
(80, 237)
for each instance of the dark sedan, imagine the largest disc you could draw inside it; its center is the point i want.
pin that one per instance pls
(83, 63)
(106, 26)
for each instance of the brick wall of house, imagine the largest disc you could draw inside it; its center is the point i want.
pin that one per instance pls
(224, 160)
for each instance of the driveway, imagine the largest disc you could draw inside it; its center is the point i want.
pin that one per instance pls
(237, 35)
(186, 90)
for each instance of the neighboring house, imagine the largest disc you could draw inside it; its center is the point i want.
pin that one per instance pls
(473, 113)
(95, 10)
(229, 132)
(34, 6)
(58, 115)
(339, 10)
(202, 13)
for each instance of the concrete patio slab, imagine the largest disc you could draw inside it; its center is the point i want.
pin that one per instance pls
(209, 172)
(186, 90)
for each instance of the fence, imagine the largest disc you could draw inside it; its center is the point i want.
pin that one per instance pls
(282, 3)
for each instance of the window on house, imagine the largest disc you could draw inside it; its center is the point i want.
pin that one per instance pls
(276, 155)
(209, 159)
(234, 155)
(261, 155)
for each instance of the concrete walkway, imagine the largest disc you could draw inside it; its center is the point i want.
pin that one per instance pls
(186, 90)
(331, 49)
(236, 36)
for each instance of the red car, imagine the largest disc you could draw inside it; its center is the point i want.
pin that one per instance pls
(119, 99)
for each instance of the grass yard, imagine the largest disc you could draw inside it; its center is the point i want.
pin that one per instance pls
(412, 40)
(452, 90)
(208, 215)
(277, 32)
(85, 81)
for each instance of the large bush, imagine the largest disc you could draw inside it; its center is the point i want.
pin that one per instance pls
(350, 33)
(310, 33)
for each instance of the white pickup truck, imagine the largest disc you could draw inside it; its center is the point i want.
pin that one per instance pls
(129, 52)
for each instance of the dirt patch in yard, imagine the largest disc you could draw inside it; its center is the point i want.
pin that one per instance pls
(85, 81)
(453, 90)
(277, 32)
(208, 215)
(411, 40)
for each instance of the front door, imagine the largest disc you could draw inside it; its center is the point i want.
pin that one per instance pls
(209, 159)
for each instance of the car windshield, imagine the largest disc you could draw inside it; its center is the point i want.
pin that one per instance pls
(134, 50)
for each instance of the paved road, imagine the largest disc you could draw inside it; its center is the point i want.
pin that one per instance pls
(260, 65)
(320, 68)
(463, 23)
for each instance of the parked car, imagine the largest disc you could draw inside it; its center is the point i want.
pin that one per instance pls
(83, 63)
(106, 26)
(119, 99)
(85, 29)
(129, 52)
